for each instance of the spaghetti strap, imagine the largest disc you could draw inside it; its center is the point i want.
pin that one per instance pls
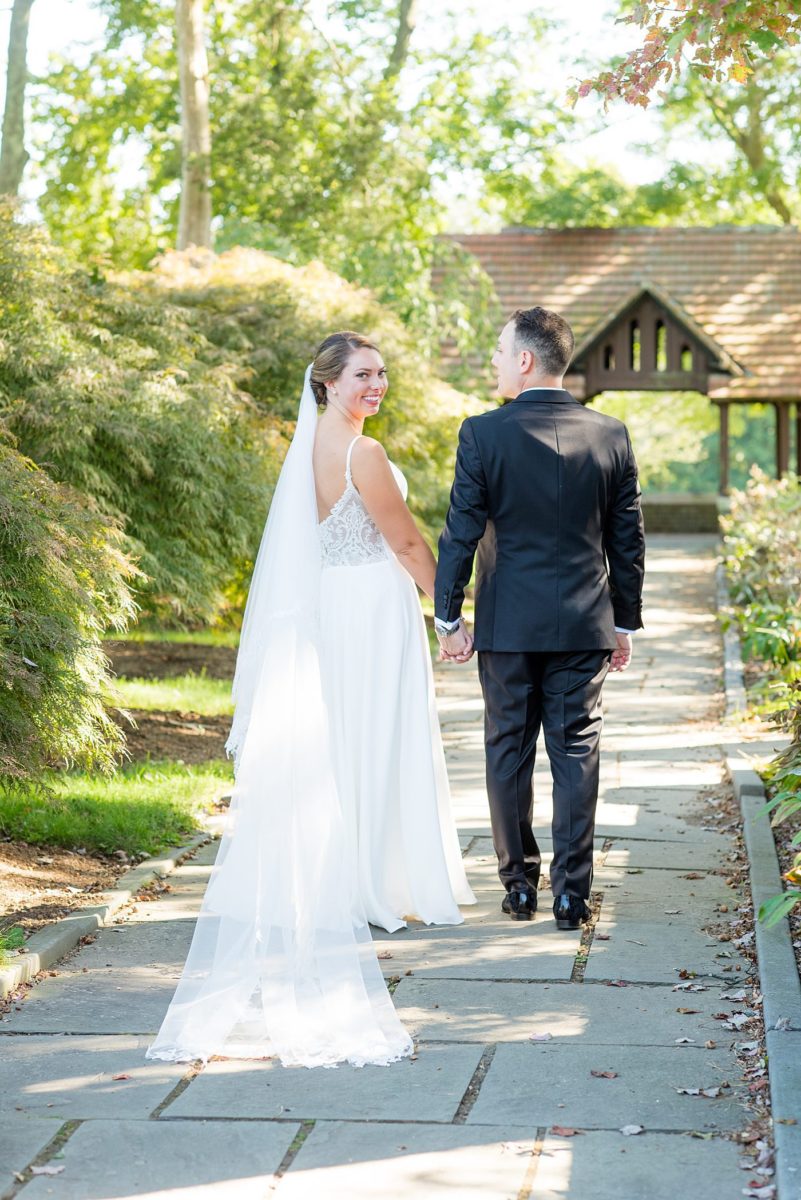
(348, 476)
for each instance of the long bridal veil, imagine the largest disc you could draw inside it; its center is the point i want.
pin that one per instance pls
(280, 963)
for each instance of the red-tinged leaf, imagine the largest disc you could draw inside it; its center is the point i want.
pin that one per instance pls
(565, 1131)
(122, 1075)
(604, 1074)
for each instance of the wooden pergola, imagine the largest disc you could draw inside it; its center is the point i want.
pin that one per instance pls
(716, 311)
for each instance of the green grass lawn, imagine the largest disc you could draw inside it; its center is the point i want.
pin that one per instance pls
(182, 693)
(198, 637)
(141, 809)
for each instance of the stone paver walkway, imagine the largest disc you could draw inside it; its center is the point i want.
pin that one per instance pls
(516, 1024)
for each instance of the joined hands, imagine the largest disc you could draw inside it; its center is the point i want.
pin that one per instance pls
(456, 646)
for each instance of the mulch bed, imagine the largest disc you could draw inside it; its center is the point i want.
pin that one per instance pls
(183, 737)
(163, 660)
(40, 884)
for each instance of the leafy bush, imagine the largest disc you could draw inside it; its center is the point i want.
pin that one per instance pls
(120, 395)
(266, 318)
(63, 581)
(168, 397)
(762, 558)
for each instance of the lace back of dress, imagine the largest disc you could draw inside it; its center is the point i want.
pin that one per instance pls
(348, 536)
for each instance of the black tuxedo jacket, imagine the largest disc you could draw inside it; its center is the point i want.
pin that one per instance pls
(546, 491)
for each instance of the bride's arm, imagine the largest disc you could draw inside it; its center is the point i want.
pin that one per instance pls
(382, 498)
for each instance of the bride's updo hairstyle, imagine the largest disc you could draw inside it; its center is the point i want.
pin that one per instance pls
(332, 358)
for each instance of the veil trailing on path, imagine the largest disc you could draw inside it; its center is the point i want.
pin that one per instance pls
(280, 962)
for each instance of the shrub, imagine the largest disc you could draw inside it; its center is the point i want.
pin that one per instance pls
(112, 393)
(168, 397)
(265, 320)
(63, 581)
(762, 558)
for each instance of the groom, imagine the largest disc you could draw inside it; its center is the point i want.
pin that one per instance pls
(546, 492)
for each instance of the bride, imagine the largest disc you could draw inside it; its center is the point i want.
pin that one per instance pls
(340, 815)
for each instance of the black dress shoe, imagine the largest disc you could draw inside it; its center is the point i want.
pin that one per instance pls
(520, 905)
(570, 912)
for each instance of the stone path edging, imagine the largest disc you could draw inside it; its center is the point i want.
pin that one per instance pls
(51, 943)
(778, 970)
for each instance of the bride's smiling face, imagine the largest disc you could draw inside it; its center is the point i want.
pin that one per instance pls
(362, 385)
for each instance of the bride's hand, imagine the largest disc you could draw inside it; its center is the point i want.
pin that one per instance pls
(457, 646)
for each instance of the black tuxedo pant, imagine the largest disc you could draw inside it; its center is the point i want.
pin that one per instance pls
(560, 693)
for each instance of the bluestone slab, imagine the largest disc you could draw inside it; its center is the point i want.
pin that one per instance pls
(556, 1080)
(106, 1160)
(456, 1010)
(72, 1077)
(651, 1166)
(340, 1161)
(428, 1089)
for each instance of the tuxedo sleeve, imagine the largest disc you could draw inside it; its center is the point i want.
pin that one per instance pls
(464, 527)
(625, 545)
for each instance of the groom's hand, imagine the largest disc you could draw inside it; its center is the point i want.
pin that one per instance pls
(456, 646)
(621, 655)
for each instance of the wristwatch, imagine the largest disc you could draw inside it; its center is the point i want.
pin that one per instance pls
(446, 628)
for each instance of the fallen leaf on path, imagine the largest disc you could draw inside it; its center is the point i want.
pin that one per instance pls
(689, 1091)
(685, 1041)
(782, 1025)
(737, 1020)
(122, 1075)
(616, 983)
(693, 875)
(602, 937)
(540, 1037)
(690, 987)
(685, 974)
(631, 1130)
(737, 996)
(688, 1010)
(672, 912)
(761, 1193)
(604, 1074)
(634, 871)
(565, 1131)
(46, 1170)
(384, 954)
(710, 1045)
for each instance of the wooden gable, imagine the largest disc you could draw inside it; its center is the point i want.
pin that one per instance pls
(649, 342)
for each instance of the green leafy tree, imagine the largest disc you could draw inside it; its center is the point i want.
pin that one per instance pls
(335, 143)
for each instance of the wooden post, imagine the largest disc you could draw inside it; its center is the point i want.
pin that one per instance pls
(723, 409)
(782, 439)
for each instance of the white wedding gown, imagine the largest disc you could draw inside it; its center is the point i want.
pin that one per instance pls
(387, 749)
(340, 811)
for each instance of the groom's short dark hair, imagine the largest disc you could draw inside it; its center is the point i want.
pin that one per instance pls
(547, 335)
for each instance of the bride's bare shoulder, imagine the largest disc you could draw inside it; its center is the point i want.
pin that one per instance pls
(369, 452)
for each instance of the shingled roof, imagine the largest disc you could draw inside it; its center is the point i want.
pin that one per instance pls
(740, 287)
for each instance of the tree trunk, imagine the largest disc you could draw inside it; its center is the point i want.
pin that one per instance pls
(13, 155)
(194, 223)
(407, 19)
